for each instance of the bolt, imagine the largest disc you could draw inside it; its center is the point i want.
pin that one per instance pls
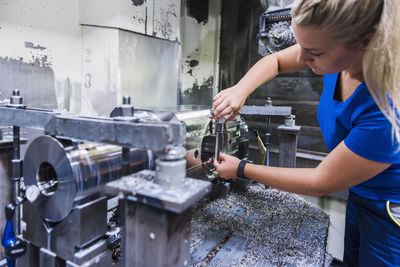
(16, 92)
(152, 236)
(112, 226)
(16, 100)
(126, 100)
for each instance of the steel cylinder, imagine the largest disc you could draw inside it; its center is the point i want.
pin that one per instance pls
(68, 172)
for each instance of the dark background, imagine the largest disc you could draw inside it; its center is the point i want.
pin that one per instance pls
(300, 90)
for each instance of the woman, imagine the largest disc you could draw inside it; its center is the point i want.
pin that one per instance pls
(349, 41)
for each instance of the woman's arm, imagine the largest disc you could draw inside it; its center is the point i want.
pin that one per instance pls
(232, 99)
(340, 170)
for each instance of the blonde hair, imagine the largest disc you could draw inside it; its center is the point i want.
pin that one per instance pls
(350, 21)
(381, 65)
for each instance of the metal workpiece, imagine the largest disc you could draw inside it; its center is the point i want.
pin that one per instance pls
(170, 173)
(171, 167)
(150, 134)
(193, 115)
(267, 110)
(140, 187)
(145, 115)
(66, 172)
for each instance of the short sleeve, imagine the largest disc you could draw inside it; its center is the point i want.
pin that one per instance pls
(371, 138)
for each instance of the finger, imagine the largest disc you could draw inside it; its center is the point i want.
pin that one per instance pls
(228, 110)
(218, 96)
(220, 108)
(232, 116)
(217, 102)
(222, 157)
(217, 166)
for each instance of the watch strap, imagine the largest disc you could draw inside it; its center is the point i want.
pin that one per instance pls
(240, 169)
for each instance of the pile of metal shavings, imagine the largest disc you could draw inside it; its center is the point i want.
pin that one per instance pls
(259, 227)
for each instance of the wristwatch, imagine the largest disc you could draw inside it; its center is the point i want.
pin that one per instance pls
(240, 169)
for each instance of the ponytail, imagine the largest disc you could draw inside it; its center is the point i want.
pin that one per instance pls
(381, 65)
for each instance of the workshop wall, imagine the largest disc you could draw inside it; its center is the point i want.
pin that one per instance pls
(82, 56)
(40, 52)
(130, 48)
(200, 31)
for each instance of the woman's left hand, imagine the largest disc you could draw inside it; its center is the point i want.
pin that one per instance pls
(227, 166)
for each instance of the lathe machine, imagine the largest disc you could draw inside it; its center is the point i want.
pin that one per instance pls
(111, 191)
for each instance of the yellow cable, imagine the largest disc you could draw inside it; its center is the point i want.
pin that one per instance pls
(263, 150)
(390, 214)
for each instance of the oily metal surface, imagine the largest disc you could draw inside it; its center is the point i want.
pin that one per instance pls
(141, 187)
(260, 227)
(67, 173)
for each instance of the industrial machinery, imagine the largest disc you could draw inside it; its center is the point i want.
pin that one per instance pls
(114, 191)
(99, 191)
(102, 192)
(206, 138)
(275, 32)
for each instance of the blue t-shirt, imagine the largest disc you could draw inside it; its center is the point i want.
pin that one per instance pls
(365, 131)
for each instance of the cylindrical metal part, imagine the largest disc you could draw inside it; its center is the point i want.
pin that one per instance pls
(126, 100)
(126, 157)
(170, 173)
(16, 142)
(218, 137)
(16, 180)
(67, 173)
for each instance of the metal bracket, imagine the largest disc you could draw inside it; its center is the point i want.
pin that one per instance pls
(151, 135)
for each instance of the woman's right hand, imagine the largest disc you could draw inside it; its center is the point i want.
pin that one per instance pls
(229, 101)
